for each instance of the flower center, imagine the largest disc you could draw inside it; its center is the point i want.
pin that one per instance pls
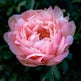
(43, 33)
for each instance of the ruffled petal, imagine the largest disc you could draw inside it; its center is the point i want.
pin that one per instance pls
(58, 12)
(12, 21)
(57, 59)
(6, 36)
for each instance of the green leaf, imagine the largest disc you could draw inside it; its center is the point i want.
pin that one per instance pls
(56, 72)
(76, 1)
(52, 74)
(48, 76)
(69, 56)
(64, 66)
(2, 2)
(13, 77)
(9, 12)
(2, 79)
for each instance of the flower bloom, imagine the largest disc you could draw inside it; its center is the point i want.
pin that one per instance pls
(40, 37)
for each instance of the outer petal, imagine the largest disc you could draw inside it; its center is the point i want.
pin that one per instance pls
(27, 62)
(12, 21)
(35, 56)
(15, 49)
(32, 60)
(69, 40)
(52, 48)
(28, 14)
(6, 36)
(59, 50)
(57, 59)
(9, 37)
(54, 44)
(68, 28)
(58, 12)
(72, 27)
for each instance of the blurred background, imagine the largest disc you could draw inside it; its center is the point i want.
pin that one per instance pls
(12, 70)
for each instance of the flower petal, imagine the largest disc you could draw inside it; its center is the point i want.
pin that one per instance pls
(12, 21)
(68, 28)
(57, 59)
(58, 12)
(6, 36)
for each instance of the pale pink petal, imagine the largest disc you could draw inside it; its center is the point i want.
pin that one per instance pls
(50, 9)
(68, 28)
(20, 23)
(67, 18)
(59, 50)
(54, 44)
(26, 50)
(12, 21)
(6, 36)
(69, 40)
(46, 58)
(27, 14)
(27, 62)
(35, 55)
(39, 44)
(57, 38)
(14, 48)
(57, 59)
(72, 27)
(23, 42)
(44, 48)
(33, 60)
(61, 57)
(34, 38)
(46, 16)
(58, 12)
(52, 48)
(62, 21)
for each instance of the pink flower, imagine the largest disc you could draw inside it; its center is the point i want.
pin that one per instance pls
(40, 37)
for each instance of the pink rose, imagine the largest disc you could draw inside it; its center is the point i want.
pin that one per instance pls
(40, 37)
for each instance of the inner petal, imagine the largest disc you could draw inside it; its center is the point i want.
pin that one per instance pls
(43, 33)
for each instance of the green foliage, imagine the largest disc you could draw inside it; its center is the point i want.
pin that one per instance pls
(76, 1)
(12, 70)
(51, 75)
